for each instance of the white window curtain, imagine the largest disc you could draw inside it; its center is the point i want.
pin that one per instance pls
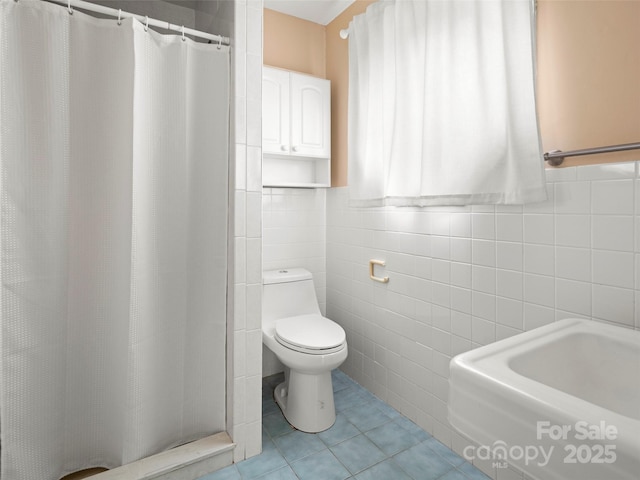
(113, 163)
(442, 104)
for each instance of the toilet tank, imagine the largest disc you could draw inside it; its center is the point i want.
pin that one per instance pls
(287, 293)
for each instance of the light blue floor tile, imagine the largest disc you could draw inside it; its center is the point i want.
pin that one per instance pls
(454, 475)
(227, 473)
(472, 472)
(284, 473)
(412, 428)
(391, 438)
(422, 463)
(275, 424)
(347, 398)
(387, 470)
(358, 453)
(343, 450)
(340, 381)
(366, 416)
(340, 431)
(445, 452)
(320, 466)
(298, 444)
(267, 461)
(269, 406)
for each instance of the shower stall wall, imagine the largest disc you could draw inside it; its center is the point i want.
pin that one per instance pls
(113, 240)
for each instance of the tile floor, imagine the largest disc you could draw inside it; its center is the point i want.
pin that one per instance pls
(369, 441)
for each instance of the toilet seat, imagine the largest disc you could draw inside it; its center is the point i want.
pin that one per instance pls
(312, 334)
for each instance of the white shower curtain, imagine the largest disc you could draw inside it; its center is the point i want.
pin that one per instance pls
(113, 160)
(442, 104)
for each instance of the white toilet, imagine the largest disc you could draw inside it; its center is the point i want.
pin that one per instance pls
(308, 344)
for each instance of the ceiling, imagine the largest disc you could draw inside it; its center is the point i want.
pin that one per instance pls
(317, 11)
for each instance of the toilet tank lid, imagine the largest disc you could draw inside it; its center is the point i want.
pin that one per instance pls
(285, 275)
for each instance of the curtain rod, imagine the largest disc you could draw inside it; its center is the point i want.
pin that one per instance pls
(556, 157)
(119, 14)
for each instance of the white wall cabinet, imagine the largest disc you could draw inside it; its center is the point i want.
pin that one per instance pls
(296, 129)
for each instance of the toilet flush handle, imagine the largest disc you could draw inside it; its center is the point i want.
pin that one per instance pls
(371, 273)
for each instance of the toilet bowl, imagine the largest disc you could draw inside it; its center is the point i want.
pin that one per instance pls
(308, 344)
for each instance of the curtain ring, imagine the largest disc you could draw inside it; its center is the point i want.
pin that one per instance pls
(69, 7)
(146, 23)
(119, 16)
(219, 42)
(183, 37)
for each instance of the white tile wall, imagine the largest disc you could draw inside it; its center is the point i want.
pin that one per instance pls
(245, 421)
(467, 276)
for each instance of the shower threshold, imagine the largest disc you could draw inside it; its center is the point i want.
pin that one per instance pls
(192, 460)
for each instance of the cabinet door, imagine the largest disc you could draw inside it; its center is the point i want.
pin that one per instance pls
(275, 111)
(310, 116)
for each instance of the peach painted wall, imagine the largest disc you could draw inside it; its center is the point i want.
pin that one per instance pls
(588, 71)
(589, 76)
(294, 44)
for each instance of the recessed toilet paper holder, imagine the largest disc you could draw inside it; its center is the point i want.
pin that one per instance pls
(372, 263)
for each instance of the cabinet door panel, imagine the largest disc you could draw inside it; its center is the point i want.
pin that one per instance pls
(275, 111)
(310, 116)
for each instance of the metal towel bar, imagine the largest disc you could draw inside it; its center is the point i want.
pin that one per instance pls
(556, 157)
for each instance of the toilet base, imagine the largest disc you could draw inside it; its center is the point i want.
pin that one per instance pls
(307, 401)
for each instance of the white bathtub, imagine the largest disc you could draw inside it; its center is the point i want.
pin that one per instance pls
(559, 402)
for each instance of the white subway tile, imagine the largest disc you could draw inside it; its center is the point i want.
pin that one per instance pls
(239, 306)
(254, 214)
(461, 250)
(509, 227)
(441, 271)
(613, 304)
(612, 197)
(483, 306)
(483, 332)
(539, 259)
(539, 228)
(440, 247)
(483, 279)
(241, 166)
(537, 316)
(607, 171)
(503, 332)
(254, 30)
(254, 169)
(509, 284)
(461, 299)
(613, 268)
(566, 174)
(461, 274)
(483, 252)
(573, 230)
(460, 225)
(573, 296)
(509, 255)
(539, 289)
(546, 206)
(483, 226)
(461, 324)
(509, 313)
(573, 263)
(612, 232)
(240, 218)
(441, 341)
(573, 197)
(440, 224)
